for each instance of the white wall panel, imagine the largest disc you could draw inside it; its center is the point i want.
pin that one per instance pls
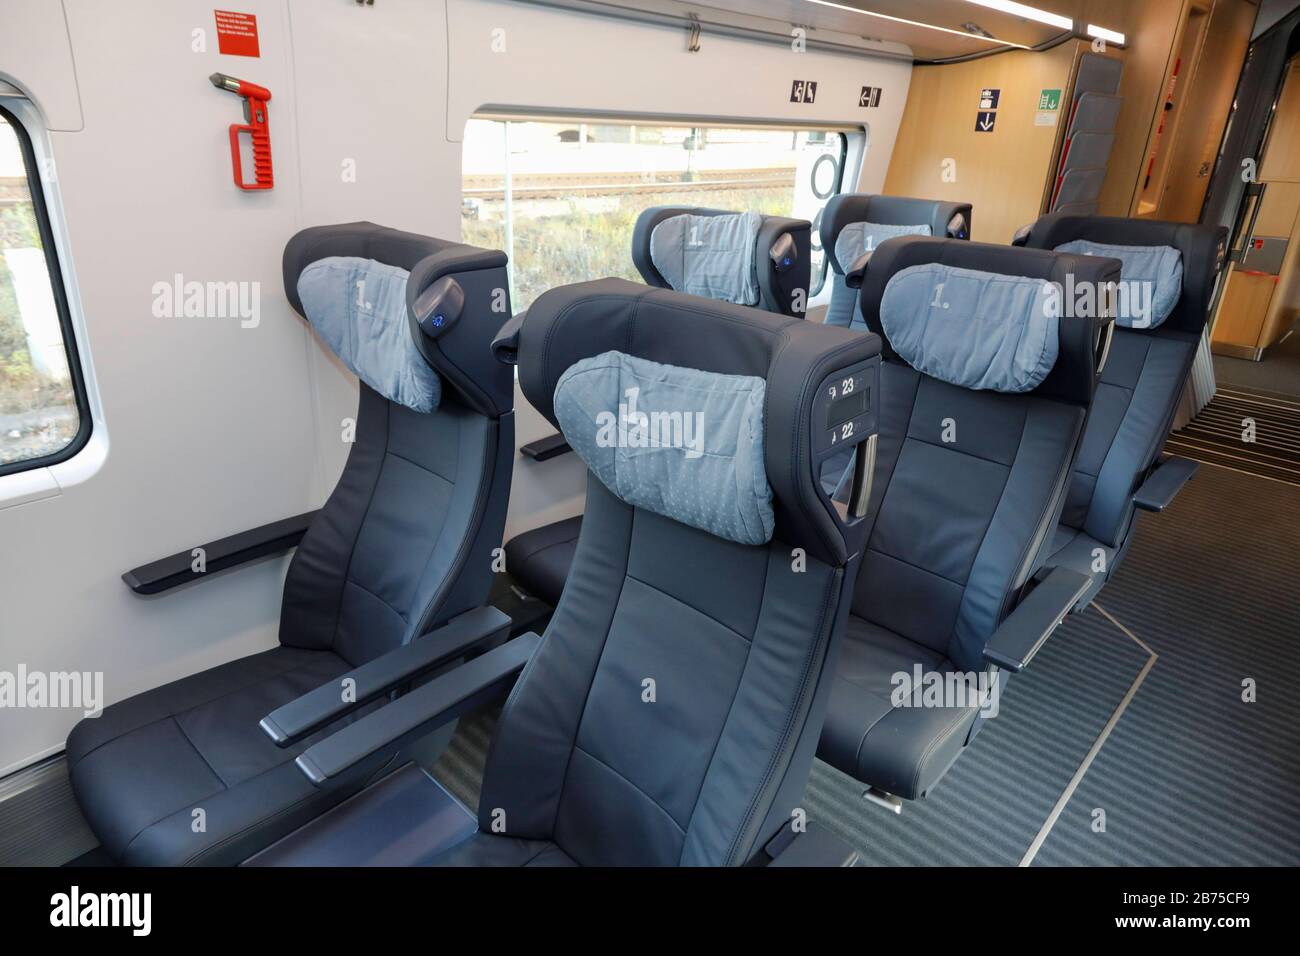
(216, 428)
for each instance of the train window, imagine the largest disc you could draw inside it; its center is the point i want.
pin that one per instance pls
(44, 417)
(561, 196)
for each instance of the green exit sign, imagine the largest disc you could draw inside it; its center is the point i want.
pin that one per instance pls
(1049, 100)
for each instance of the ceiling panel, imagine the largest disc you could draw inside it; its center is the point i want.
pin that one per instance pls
(928, 29)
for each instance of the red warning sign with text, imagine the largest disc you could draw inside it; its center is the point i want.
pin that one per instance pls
(236, 33)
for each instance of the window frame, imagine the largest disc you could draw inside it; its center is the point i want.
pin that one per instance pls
(58, 285)
(836, 191)
(846, 132)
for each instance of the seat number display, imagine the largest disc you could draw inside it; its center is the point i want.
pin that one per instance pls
(849, 398)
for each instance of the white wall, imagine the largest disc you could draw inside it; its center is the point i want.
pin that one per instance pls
(216, 428)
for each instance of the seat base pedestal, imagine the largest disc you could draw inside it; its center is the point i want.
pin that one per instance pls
(406, 819)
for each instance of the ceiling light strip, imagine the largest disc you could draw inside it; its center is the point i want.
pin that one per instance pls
(1101, 33)
(916, 23)
(1026, 11)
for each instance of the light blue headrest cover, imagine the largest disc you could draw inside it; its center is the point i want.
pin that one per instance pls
(680, 442)
(1152, 278)
(979, 330)
(358, 306)
(710, 256)
(859, 237)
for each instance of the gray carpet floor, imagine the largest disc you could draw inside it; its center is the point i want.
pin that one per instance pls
(1279, 371)
(1189, 774)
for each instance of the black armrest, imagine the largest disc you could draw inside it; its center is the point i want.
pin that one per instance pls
(1018, 638)
(1022, 235)
(1163, 483)
(177, 569)
(856, 273)
(424, 709)
(813, 846)
(505, 347)
(544, 449)
(305, 715)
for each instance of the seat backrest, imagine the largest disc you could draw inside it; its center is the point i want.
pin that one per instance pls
(404, 541)
(740, 257)
(984, 391)
(855, 223)
(1168, 280)
(671, 712)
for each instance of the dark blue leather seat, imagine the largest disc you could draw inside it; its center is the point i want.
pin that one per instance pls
(969, 483)
(1140, 390)
(878, 218)
(539, 559)
(853, 224)
(402, 546)
(670, 712)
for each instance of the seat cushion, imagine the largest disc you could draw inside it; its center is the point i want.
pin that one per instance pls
(1076, 549)
(902, 750)
(539, 559)
(144, 767)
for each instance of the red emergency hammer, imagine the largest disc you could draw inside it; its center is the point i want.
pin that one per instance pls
(255, 100)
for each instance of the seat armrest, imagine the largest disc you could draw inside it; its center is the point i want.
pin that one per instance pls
(423, 710)
(177, 569)
(1163, 483)
(856, 274)
(301, 717)
(544, 449)
(1018, 638)
(813, 846)
(505, 347)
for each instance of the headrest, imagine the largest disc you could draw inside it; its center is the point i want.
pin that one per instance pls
(980, 330)
(857, 238)
(680, 442)
(885, 214)
(740, 257)
(1151, 280)
(358, 307)
(985, 316)
(455, 299)
(564, 326)
(1202, 251)
(712, 256)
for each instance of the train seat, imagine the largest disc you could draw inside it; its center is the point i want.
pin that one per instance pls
(401, 550)
(670, 712)
(853, 224)
(727, 256)
(984, 392)
(1169, 273)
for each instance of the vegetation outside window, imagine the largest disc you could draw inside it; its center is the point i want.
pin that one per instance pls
(561, 196)
(43, 413)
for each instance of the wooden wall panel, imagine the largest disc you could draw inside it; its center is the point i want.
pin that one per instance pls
(1205, 111)
(1154, 31)
(1003, 173)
